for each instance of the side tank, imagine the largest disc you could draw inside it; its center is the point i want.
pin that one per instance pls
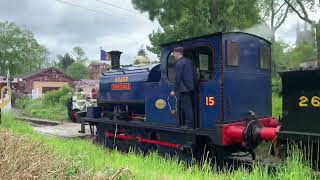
(124, 88)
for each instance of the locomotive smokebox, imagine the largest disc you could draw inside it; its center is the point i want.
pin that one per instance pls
(115, 59)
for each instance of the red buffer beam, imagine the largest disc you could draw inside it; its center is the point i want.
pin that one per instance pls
(241, 132)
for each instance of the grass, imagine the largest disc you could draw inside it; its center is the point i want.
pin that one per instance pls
(98, 160)
(276, 105)
(52, 106)
(276, 98)
(23, 158)
(38, 108)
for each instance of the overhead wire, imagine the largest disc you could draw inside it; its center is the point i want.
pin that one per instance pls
(119, 7)
(81, 7)
(107, 4)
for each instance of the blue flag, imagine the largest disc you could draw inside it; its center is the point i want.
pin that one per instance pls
(103, 55)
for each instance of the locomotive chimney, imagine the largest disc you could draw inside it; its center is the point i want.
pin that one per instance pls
(115, 59)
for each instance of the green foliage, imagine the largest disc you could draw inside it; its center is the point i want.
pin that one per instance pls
(64, 61)
(79, 55)
(142, 57)
(276, 105)
(52, 106)
(9, 122)
(38, 108)
(78, 71)
(304, 8)
(285, 57)
(278, 57)
(22, 102)
(19, 50)
(185, 19)
(276, 97)
(142, 52)
(276, 86)
(300, 54)
(58, 96)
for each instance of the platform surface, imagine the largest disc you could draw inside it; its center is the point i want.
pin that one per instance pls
(55, 128)
(65, 130)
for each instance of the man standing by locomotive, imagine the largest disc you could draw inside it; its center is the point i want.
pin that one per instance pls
(184, 87)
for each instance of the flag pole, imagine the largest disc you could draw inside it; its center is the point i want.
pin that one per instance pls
(100, 64)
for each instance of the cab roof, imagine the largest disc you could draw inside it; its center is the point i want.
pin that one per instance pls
(210, 35)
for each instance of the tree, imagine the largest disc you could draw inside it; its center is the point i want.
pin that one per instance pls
(298, 54)
(142, 57)
(79, 55)
(19, 50)
(65, 61)
(142, 52)
(286, 57)
(278, 57)
(78, 71)
(274, 13)
(182, 19)
(300, 8)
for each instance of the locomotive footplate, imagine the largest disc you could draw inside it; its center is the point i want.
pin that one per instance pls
(139, 124)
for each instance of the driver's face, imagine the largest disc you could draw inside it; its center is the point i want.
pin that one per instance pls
(177, 55)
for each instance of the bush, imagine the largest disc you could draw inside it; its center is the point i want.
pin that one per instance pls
(22, 102)
(37, 108)
(58, 96)
(276, 86)
(52, 106)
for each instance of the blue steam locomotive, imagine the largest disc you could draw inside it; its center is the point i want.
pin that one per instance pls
(232, 99)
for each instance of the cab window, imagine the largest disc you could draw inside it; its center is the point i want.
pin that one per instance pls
(202, 58)
(205, 62)
(265, 58)
(233, 55)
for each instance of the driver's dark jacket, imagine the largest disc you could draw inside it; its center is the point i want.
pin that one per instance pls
(185, 76)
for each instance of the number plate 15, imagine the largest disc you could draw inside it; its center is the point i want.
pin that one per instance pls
(304, 101)
(210, 101)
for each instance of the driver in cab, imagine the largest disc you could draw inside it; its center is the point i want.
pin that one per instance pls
(184, 87)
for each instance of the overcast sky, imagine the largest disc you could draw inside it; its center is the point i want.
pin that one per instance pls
(60, 27)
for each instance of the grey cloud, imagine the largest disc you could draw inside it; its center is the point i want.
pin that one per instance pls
(60, 27)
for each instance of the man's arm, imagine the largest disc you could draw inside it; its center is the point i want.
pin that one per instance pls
(179, 72)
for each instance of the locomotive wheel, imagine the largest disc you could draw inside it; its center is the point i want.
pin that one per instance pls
(101, 137)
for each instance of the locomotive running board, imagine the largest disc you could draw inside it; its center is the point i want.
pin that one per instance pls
(204, 132)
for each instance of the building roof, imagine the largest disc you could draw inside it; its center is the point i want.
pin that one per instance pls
(98, 63)
(34, 73)
(83, 83)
